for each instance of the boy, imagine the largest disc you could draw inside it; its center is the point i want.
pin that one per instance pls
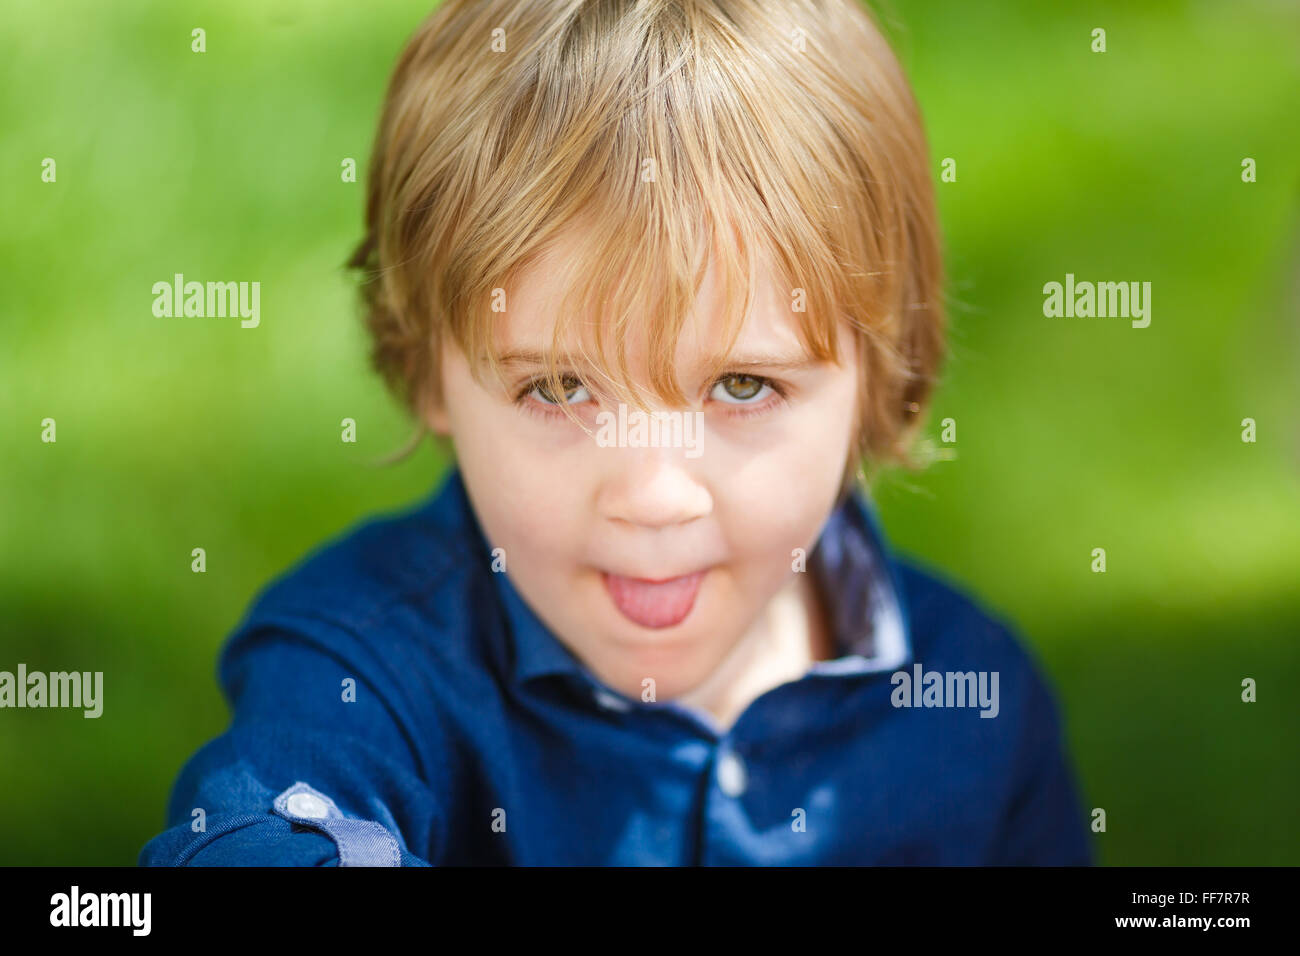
(663, 273)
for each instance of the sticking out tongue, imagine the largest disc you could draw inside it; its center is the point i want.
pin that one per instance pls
(654, 603)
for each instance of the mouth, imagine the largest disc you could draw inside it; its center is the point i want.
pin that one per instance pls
(654, 604)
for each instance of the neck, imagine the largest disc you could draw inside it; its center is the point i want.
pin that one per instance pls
(783, 643)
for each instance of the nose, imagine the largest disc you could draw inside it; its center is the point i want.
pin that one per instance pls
(653, 488)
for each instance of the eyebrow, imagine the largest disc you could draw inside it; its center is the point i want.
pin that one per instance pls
(782, 362)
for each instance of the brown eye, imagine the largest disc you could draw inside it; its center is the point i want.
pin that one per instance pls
(739, 389)
(574, 390)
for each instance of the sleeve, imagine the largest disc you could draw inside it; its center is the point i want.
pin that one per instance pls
(306, 774)
(1044, 824)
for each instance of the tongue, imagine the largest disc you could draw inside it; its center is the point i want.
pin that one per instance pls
(654, 604)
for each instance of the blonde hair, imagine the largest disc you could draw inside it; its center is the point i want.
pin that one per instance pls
(775, 131)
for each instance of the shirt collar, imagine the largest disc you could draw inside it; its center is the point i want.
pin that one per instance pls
(856, 572)
(853, 566)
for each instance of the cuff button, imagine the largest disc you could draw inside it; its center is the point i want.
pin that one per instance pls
(309, 806)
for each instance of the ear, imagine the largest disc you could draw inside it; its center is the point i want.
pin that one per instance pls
(438, 422)
(429, 404)
(435, 412)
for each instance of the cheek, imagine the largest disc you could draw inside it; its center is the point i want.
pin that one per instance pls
(522, 499)
(522, 506)
(480, 423)
(782, 495)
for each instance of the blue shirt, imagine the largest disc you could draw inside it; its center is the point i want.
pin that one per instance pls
(395, 701)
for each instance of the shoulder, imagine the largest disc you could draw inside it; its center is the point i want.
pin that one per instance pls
(953, 631)
(360, 572)
(391, 586)
(1018, 762)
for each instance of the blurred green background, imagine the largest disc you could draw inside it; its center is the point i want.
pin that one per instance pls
(1071, 433)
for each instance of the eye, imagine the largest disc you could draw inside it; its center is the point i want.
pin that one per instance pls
(574, 391)
(738, 389)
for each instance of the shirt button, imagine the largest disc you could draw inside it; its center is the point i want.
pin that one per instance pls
(306, 805)
(731, 774)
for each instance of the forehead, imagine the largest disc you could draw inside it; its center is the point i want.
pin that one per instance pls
(535, 302)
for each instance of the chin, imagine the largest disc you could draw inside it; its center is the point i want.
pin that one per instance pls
(675, 670)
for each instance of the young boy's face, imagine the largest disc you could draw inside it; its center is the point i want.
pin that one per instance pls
(653, 562)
